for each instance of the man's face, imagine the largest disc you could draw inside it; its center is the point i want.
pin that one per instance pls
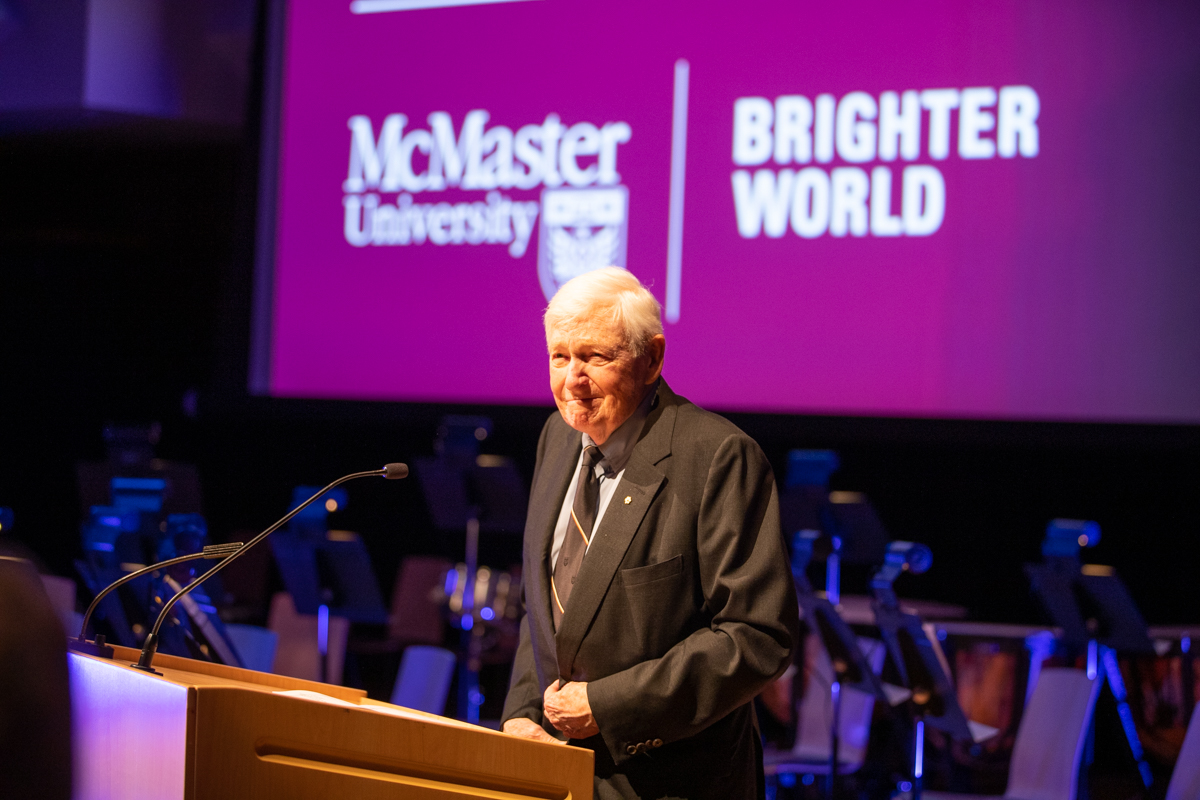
(597, 382)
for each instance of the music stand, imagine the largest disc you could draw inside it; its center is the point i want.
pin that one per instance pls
(864, 539)
(474, 492)
(334, 571)
(330, 568)
(917, 656)
(804, 496)
(850, 667)
(1089, 607)
(327, 572)
(1096, 613)
(853, 532)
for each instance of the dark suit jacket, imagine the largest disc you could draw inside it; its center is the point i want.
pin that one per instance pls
(682, 611)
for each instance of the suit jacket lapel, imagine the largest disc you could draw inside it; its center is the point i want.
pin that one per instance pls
(559, 470)
(640, 483)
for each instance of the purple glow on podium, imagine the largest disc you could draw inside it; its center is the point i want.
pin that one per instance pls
(129, 730)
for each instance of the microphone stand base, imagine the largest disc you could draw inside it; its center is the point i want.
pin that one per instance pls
(148, 651)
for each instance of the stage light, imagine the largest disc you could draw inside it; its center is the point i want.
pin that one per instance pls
(901, 557)
(911, 557)
(1066, 537)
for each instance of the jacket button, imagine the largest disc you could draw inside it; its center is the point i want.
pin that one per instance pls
(657, 743)
(631, 750)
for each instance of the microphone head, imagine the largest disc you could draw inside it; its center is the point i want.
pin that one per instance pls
(395, 471)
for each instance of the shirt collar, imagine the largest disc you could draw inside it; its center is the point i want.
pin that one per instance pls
(618, 447)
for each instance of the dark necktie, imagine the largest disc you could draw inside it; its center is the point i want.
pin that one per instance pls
(579, 532)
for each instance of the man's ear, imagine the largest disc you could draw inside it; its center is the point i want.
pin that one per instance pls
(656, 348)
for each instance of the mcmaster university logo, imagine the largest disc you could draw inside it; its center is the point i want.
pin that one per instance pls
(390, 195)
(582, 230)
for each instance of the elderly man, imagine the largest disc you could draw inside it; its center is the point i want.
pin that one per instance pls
(658, 596)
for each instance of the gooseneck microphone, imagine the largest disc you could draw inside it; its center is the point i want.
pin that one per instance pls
(99, 647)
(390, 471)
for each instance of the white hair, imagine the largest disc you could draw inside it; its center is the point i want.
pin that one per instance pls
(609, 294)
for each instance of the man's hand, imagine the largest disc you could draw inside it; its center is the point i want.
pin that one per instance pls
(528, 729)
(569, 711)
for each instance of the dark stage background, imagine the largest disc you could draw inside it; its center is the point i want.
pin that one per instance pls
(125, 296)
(126, 269)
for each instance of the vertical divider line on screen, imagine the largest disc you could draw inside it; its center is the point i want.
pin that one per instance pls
(678, 170)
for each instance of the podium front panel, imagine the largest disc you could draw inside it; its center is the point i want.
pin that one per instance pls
(267, 746)
(221, 733)
(130, 732)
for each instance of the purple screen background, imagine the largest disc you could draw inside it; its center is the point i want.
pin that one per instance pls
(1060, 287)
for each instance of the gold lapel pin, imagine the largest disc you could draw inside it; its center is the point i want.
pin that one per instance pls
(628, 499)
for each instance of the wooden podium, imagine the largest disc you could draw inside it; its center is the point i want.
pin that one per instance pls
(203, 731)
